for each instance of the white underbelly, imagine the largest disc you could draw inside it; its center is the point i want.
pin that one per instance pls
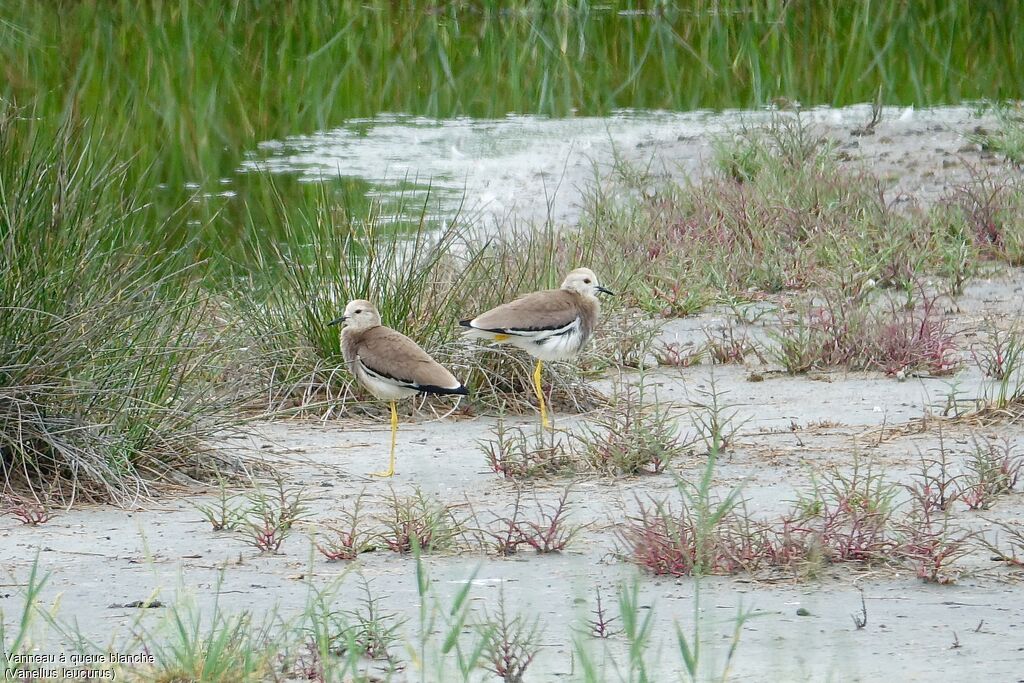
(381, 388)
(547, 345)
(553, 347)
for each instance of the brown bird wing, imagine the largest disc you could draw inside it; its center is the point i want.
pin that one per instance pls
(392, 356)
(551, 309)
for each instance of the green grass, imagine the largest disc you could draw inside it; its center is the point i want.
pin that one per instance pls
(185, 89)
(108, 371)
(1008, 138)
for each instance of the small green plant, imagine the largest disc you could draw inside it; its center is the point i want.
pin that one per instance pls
(268, 517)
(931, 544)
(697, 538)
(511, 642)
(1011, 551)
(601, 625)
(793, 348)
(28, 511)
(224, 514)
(217, 647)
(19, 642)
(547, 532)
(1008, 138)
(715, 422)
(727, 344)
(367, 629)
(999, 354)
(847, 515)
(418, 521)
(935, 485)
(346, 538)
(691, 649)
(677, 355)
(636, 630)
(671, 298)
(450, 621)
(993, 469)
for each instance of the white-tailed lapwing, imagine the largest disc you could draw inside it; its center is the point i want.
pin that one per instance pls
(550, 325)
(390, 365)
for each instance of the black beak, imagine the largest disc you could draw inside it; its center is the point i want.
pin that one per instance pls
(605, 290)
(336, 321)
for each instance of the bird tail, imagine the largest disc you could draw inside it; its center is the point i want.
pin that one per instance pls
(460, 390)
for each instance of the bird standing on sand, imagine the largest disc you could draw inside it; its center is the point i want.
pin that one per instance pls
(553, 324)
(389, 364)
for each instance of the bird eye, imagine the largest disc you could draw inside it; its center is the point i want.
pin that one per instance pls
(359, 310)
(586, 281)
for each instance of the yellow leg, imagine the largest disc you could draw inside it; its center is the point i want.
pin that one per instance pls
(390, 471)
(540, 397)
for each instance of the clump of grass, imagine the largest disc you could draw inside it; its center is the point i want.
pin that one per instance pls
(696, 539)
(520, 453)
(896, 338)
(1008, 138)
(16, 633)
(677, 355)
(311, 260)
(109, 380)
(726, 344)
(1011, 551)
(932, 545)
(999, 353)
(670, 297)
(848, 515)
(700, 537)
(918, 338)
(787, 144)
(219, 647)
(783, 214)
(990, 207)
(418, 521)
(314, 257)
(550, 533)
(935, 486)
(660, 540)
(714, 420)
(635, 435)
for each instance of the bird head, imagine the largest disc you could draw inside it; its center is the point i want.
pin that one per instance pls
(359, 315)
(583, 281)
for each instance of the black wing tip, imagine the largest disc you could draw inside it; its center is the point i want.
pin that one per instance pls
(468, 322)
(461, 390)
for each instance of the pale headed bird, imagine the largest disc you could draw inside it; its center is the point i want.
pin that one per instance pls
(390, 365)
(550, 325)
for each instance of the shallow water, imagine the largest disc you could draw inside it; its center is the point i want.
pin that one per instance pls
(533, 167)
